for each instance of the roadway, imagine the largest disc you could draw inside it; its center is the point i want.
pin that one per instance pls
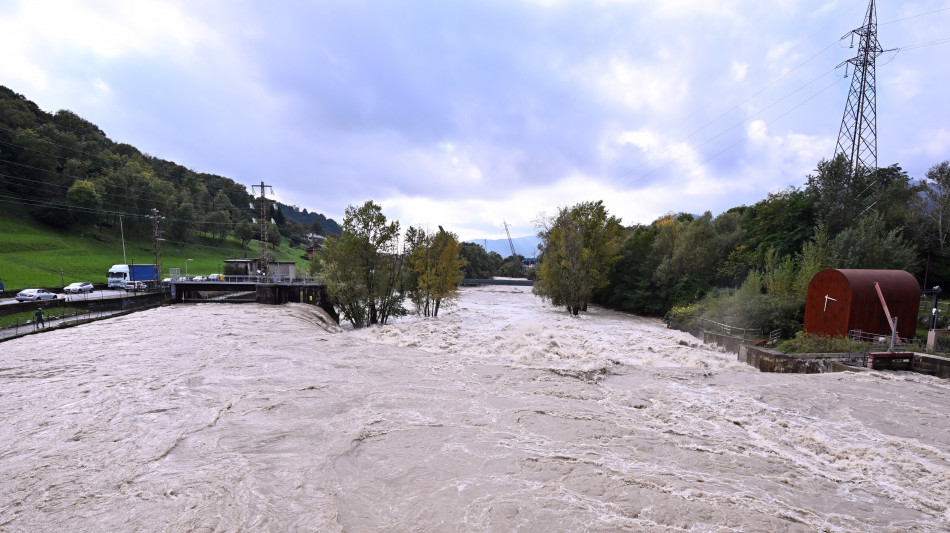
(94, 295)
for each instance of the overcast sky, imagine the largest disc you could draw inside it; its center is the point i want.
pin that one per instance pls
(465, 114)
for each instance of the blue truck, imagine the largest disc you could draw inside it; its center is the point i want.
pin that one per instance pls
(120, 274)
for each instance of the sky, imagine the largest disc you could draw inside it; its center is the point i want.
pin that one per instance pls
(470, 114)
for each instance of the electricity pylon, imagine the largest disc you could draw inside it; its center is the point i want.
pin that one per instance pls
(857, 138)
(264, 255)
(157, 238)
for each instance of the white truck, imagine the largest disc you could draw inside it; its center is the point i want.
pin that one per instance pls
(120, 274)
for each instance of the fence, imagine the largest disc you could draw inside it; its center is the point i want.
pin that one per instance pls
(732, 331)
(71, 311)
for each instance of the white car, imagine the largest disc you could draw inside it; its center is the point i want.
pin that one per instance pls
(134, 286)
(78, 287)
(31, 295)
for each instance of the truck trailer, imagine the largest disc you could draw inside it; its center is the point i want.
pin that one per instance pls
(119, 274)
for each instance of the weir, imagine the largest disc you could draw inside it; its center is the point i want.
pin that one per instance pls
(253, 292)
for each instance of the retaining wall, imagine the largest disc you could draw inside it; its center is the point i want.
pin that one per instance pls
(768, 360)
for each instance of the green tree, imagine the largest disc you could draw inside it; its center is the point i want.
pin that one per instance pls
(782, 222)
(478, 263)
(363, 266)
(316, 227)
(435, 261)
(578, 248)
(870, 244)
(245, 232)
(932, 208)
(218, 224)
(84, 201)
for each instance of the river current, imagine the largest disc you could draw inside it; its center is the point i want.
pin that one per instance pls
(502, 414)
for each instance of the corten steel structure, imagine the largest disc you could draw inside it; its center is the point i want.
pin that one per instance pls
(842, 300)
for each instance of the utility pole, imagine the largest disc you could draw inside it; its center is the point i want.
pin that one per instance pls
(157, 242)
(264, 255)
(122, 231)
(857, 138)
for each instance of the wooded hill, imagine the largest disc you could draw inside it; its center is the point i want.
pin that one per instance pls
(66, 172)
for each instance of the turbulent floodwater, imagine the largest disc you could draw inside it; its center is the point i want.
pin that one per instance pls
(501, 415)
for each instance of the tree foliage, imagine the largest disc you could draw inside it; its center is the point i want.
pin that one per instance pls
(479, 264)
(363, 267)
(578, 247)
(436, 266)
(47, 161)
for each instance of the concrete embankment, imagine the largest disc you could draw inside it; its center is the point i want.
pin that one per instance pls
(768, 360)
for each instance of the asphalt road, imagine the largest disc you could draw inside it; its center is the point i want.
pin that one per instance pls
(94, 295)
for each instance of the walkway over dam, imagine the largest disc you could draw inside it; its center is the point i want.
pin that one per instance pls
(250, 290)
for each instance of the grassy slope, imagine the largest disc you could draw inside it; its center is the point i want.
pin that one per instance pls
(32, 255)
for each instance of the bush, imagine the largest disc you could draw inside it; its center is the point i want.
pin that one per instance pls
(811, 343)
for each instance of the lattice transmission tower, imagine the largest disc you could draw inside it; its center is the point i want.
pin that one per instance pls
(857, 138)
(264, 254)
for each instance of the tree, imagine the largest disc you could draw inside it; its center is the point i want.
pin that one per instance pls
(363, 266)
(578, 248)
(932, 207)
(784, 222)
(84, 201)
(870, 244)
(218, 224)
(435, 261)
(316, 227)
(273, 234)
(245, 232)
(478, 263)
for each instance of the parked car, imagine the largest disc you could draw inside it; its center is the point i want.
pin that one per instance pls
(216, 277)
(31, 295)
(78, 287)
(135, 286)
(199, 278)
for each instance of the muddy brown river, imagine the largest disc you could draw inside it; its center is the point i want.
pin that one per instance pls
(503, 414)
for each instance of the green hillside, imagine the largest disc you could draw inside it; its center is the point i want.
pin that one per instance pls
(34, 255)
(68, 193)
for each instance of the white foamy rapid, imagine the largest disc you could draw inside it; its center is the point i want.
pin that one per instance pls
(502, 414)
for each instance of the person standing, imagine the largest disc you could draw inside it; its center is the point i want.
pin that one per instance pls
(39, 323)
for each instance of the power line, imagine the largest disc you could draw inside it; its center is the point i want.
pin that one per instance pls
(915, 16)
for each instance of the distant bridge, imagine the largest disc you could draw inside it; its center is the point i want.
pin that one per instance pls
(474, 282)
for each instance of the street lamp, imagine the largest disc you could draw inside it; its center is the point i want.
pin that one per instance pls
(186, 267)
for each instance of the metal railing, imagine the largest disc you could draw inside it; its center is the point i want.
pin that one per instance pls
(732, 331)
(70, 312)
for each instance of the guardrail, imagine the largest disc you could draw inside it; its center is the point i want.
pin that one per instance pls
(733, 331)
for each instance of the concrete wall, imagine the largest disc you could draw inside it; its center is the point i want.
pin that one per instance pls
(933, 365)
(768, 360)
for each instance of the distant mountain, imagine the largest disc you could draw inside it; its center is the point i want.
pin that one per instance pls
(294, 213)
(525, 246)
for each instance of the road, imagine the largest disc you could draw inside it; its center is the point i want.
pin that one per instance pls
(95, 295)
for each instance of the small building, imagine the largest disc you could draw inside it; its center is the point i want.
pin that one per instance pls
(241, 267)
(842, 300)
(282, 270)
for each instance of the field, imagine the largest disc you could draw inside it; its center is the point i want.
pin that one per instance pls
(32, 255)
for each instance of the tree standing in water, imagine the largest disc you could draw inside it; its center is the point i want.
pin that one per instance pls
(578, 247)
(363, 267)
